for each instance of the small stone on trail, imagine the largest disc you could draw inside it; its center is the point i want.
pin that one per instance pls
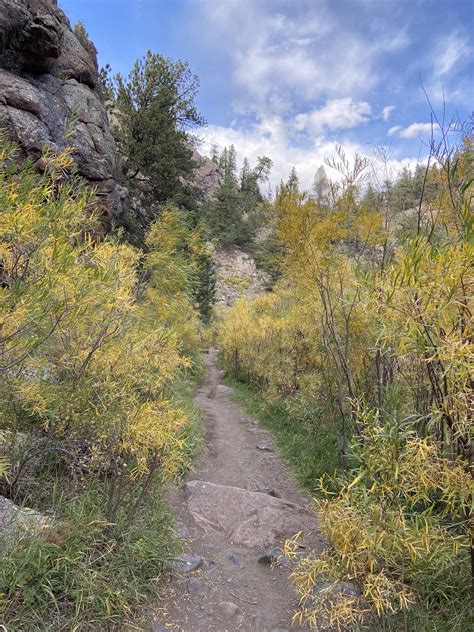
(228, 609)
(195, 585)
(181, 530)
(234, 559)
(259, 624)
(222, 389)
(184, 564)
(210, 547)
(260, 487)
(275, 493)
(211, 572)
(272, 556)
(237, 582)
(264, 448)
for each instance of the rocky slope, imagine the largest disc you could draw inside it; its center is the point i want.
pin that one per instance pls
(237, 276)
(49, 87)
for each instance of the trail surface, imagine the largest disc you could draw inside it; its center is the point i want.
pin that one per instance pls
(238, 503)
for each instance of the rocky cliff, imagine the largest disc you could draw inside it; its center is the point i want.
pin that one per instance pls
(49, 87)
(207, 177)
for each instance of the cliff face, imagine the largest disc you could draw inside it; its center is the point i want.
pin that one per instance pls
(48, 87)
(207, 177)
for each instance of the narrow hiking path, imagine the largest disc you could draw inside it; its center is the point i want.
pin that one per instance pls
(238, 503)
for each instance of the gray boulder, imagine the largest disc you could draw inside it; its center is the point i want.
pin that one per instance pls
(18, 522)
(225, 391)
(332, 590)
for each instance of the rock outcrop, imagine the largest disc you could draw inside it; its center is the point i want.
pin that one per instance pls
(237, 276)
(207, 176)
(49, 94)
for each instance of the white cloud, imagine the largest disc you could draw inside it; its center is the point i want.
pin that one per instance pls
(451, 51)
(308, 51)
(335, 114)
(387, 111)
(394, 130)
(270, 137)
(414, 130)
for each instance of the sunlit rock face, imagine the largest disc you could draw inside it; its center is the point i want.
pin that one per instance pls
(49, 94)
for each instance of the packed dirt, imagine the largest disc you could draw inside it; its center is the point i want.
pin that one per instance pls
(238, 504)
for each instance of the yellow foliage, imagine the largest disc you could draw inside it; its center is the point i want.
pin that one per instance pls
(376, 332)
(87, 351)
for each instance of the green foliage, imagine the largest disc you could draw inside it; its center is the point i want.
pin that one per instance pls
(81, 575)
(235, 214)
(155, 109)
(82, 35)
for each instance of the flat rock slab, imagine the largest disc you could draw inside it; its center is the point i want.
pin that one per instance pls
(248, 518)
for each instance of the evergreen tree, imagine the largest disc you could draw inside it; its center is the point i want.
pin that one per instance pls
(214, 153)
(293, 180)
(232, 218)
(155, 109)
(321, 187)
(245, 174)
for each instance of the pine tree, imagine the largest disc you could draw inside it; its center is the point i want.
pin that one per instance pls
(321, 187)
(155, 109)
(293, 180)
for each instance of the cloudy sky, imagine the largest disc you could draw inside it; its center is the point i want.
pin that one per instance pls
(292, 79)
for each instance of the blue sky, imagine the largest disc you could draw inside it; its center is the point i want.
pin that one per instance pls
(293, 78)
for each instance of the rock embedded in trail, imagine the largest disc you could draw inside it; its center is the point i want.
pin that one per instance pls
(234, 559)
(228, 609)
(184, 564)
(226, 391)
(264, 448)
(261, 487)
(248, 518)
(272, 556)
(181, 530)
(195, 585)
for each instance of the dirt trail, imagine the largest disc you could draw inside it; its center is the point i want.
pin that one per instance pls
(231, 591)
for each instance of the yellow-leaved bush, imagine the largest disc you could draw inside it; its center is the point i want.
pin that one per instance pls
(88, 350)
(370, 329)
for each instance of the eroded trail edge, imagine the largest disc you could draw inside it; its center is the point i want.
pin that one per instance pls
(238, 504)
